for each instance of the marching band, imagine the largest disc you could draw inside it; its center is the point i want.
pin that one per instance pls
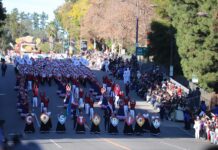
(70, 80)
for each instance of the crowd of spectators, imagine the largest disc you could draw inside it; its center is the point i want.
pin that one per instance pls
(154, 87)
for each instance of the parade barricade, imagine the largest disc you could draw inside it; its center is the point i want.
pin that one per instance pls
(184, 89)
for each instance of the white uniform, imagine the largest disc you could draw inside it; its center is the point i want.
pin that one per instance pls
(35, 102)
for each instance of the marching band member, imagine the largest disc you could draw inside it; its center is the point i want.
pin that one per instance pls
(87, 106)
(107, 114)
(74, 118)
(42, 98)
(91, 110)
(132, 108)
(35, 102)
(113, 124)
(128, 124)
(126, 104)
(46, 123)
(76, 94)
(95, 124)
(80, 127)
(146, 125)
(61, 123)
(29, 126)
(81, 104)
(111, 104)
(139, 124)
(116, 93)
(120, 113)
(81, 93)
(155, 125)
(30, 79)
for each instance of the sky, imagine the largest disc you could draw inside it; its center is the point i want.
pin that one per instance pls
(48, 6)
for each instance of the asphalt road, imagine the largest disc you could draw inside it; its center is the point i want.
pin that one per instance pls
(172, 137)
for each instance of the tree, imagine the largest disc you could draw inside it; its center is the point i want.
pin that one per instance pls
(70, 16)
(35, 19)
(196, 37)
(43, 19)
(116, 21)
(2, 16)
(52, 30)
(18, 24)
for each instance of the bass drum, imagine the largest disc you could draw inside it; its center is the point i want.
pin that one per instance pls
(96, 119)
(114, 121)
(29, 119)
(44, 118)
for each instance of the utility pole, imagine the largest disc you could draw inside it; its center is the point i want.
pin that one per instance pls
(137, 24)
(171, 50)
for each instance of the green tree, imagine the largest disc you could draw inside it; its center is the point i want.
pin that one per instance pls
(196, 37)
(52, 30)
(70, 16)
(43, 20)
(2, 16)
(35, 18)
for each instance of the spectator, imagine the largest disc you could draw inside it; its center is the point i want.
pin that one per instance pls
(3, 68)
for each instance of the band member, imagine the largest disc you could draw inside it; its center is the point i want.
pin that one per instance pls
(132, 108)
(113, 124)
(46, 124)
(81, 93)
(126, 104)
(43, 78)
(95, 124)
(81, 104)
(91, 110)
(61, 123)
(139, 124)
(107, 114)
(42, 98)
(74, 118)
(35, 90)
(146, 125)
(128, 125)
(127, 88)
(35, 101)
(30, 79)
(155, 125)
(104, 101)
(80, 127)
(87, 106)
(29, 126)
(120, 113)
(49, 78)
(111, 104)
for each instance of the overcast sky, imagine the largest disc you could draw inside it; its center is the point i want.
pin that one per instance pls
(48, 6)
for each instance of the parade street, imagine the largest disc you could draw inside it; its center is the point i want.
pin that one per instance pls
(172, 137)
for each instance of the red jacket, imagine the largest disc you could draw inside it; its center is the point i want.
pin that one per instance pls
(81, 94)
(87, 99)
(117, 89)
(91, 103)
(132, 104)
(35, 91)
(126, 101)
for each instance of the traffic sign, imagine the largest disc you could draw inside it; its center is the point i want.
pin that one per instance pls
(84, 45)
(141, 51)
